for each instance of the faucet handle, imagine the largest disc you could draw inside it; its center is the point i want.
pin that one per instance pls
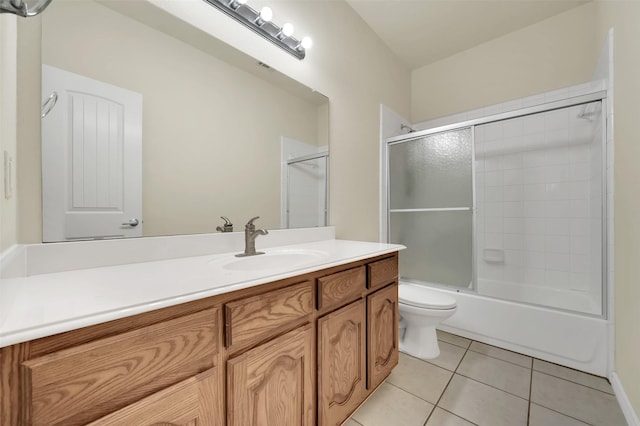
(250, 224)
(227, 227)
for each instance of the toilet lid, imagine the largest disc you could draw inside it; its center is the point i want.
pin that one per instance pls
(422, 297)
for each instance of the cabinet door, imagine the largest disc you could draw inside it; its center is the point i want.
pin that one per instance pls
(341, 363)
(272, 384)
(382, 334)
(196, 401)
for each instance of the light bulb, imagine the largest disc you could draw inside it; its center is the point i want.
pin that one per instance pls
(287, 30)
(266, 14)
(306, 42)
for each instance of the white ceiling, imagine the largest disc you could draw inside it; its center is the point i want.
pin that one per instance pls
(421, 32)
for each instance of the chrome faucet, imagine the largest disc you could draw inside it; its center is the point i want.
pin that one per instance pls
(250, 235)
(227, 227)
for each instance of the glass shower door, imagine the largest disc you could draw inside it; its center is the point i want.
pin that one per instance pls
(431, 207)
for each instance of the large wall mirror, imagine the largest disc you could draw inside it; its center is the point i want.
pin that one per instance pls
(218, 133)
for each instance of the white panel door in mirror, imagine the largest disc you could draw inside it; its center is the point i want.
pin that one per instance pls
(91, 158)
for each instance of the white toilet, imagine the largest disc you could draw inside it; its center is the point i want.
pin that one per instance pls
(421, 310)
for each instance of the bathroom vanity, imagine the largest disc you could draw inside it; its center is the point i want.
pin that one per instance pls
(294, 348)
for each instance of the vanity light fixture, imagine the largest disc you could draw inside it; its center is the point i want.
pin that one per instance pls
(24, 8)
(260, 22)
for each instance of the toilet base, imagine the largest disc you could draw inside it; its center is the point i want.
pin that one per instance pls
(420, 342)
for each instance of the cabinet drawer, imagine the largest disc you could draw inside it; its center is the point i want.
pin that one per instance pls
(81, 384)
(259, 316)
(196, 401)
(342, 287)
(383, 272)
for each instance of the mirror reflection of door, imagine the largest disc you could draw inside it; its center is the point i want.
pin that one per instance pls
(91, 158)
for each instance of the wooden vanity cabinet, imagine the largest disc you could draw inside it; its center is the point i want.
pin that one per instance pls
(302, 351)
(357, 343)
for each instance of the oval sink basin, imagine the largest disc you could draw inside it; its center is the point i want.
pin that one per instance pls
(274, 259)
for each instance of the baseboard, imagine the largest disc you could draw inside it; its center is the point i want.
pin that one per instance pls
(628, 411)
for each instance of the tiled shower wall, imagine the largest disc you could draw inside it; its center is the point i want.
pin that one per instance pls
(538, 186)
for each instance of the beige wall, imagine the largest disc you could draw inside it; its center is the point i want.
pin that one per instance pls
(211, 132)
(28, 110)
(624, 17)
(557, 52)
(8, 78)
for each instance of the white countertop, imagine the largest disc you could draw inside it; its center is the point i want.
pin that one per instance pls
(42, 305)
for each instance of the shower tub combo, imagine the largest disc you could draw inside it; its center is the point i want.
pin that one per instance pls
(507, 214)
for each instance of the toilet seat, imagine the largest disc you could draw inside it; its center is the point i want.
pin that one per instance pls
(421, 297)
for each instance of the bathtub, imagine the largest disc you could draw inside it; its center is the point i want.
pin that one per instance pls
(570, 339)
(570, 300)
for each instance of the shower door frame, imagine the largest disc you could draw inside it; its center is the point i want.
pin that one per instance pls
(598, 96)
(302, 159)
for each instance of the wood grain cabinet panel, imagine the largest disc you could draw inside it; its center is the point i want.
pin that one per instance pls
(273, 383)
(342, 287)
(341, 363)
(382, 272)
(83, 383)
(382, 339)
(196, 401)
(247, 320)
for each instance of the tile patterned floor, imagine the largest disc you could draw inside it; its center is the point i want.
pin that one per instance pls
(471, 383)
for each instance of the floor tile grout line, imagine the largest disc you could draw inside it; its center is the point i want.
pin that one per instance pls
(410, 393)
(458, 416)
(530, 390)
(455, 344)
(578, 384)
(446, 387)
(572, 369)
(500, 359)
(510, 362)
(561, 413)
(491, 386)
(572, 381)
